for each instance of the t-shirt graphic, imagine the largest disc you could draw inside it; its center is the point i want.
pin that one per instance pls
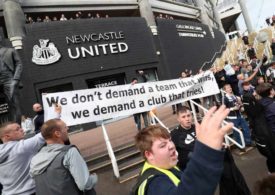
(189, 139)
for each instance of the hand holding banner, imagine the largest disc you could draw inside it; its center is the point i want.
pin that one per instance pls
(89, 105)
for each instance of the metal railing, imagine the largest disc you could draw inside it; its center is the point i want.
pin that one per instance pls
(227, 138)
(154, 119)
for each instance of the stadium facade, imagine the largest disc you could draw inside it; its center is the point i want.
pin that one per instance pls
(161, 37)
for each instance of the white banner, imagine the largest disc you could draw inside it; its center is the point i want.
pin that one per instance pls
(89, 105)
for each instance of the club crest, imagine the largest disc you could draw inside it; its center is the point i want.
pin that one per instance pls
(46, 54)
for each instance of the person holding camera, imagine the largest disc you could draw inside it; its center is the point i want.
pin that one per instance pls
(235, 116)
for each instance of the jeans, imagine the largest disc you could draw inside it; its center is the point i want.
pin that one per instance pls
(240, 122)
(137, 118)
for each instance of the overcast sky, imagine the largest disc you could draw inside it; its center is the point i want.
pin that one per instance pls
(259, 10)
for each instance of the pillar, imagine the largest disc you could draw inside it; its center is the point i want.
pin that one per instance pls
(246, 16)
(15, 22)
(147, 13)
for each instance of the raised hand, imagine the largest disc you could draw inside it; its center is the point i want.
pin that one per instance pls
(211, 132)
(58, 109)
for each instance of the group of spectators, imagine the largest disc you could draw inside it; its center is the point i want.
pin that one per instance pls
(62, 17)
(58, 168)
(270, 21)
(79, 15)
(249, 89)
(166, 16)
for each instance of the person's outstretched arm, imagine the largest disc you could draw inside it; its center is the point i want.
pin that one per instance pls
(204, 169)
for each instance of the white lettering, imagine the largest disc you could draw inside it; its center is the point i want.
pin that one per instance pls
(113, 46)
(75, 39)
(103, 46)
(96, 50)
(77, 53)
(122, 47)
(84, 51)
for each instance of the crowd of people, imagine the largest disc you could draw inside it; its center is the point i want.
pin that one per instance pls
(248, 94)
(62, 17)
(247, 90)
(166, 16)
(78, 15)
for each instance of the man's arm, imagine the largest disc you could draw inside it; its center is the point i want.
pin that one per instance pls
(201, 175)
(205, 167)
(32, 144)
(251, 76)
(36, 124)
(79, 170)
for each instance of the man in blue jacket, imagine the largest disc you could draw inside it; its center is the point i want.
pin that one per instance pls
(204, 169)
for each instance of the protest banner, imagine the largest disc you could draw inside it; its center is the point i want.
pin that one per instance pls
(89, 105)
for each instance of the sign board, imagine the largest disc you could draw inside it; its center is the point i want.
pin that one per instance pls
(188, 45)
(81, 46)
(83, 106)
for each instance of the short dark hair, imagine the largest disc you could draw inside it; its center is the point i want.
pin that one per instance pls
(245, 83)
(182, 109)
(264, 89)
(134, 79)
(49, 127)
(226, 84)
(3, 127)
(265, 186)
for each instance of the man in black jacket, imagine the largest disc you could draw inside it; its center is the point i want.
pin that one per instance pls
(38, 120)
(266, 91)
(184, 136)
(261, 131)
(234, 104)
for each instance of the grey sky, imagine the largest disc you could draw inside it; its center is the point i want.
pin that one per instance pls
(259, 10)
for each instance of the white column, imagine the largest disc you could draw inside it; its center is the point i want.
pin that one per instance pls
(217, 17)
(204, 17)
(15, 22)
(246, 16)
(147, 13)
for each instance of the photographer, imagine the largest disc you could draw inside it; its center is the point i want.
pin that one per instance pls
(234, 103)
